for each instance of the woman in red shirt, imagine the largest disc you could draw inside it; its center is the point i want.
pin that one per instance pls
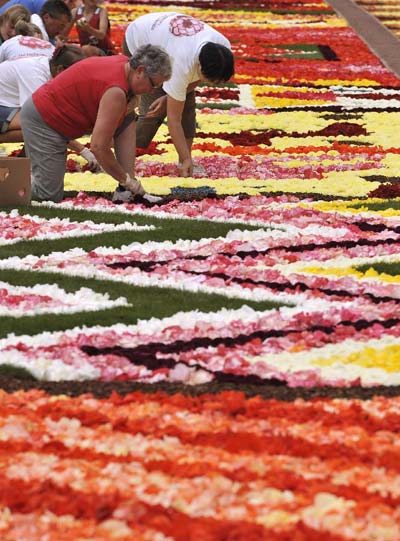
(98, 96)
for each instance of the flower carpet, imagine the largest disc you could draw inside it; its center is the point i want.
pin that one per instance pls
(223, 365)
(17, 301)
(16, 228)
(226, 467)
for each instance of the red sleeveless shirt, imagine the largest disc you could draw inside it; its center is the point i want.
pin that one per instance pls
(69, 103)
(86, 39)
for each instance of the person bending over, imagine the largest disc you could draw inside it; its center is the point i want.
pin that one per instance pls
(23, 77)
(20, 79)
(200, 54)
(27, 42)
(53, 18)
(98, 96)
(9, 19)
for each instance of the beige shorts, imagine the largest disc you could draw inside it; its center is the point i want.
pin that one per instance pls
(146, 128)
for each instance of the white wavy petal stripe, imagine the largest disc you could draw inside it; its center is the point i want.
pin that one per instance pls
(18, 301)
(16, 228)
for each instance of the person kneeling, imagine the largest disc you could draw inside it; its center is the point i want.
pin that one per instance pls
(90, 97)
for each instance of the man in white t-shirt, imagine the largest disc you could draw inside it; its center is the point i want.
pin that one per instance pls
(199, 53)
(25, 46)
(54, 16)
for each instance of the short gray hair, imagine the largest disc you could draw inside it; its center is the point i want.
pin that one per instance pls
(154, 60)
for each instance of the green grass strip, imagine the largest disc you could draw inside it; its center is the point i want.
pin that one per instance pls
(147, 302)
(385, 205)
(225, 106)
(167, 229)
(393, 269)
(15, 372)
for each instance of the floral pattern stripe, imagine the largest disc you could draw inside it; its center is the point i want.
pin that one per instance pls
(225, 466)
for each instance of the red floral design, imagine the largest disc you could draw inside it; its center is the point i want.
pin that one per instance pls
(33, 43)
(182, 25)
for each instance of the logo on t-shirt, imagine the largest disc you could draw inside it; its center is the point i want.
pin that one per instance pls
(183, 25)
(33, 43)
(159, 20)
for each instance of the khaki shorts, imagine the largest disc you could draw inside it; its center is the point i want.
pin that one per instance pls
(146, 128)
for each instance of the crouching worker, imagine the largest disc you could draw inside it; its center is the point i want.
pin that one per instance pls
(20, 79)
(96, 95)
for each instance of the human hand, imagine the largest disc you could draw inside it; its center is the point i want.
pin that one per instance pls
(59, 41)
(186, 168)
(93, 164)
(157, 108)
(83, 24)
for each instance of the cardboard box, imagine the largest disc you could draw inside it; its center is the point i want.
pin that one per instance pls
(15, 182)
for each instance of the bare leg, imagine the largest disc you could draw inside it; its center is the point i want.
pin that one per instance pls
(14, 132)
(11, 136)
(189, 142)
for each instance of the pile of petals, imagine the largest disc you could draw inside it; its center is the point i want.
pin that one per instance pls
(15, 227)
(311, 109)
(17, 301)
(317, 343)
(342, 330)
(216, 467)
(256, 210)
(316, 258)
(309, 121)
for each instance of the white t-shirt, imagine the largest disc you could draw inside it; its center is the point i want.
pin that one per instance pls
(24, 46)
(182, 37)
(20, 78)
(37, 19)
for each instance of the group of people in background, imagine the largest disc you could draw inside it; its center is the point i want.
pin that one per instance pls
(52, 93)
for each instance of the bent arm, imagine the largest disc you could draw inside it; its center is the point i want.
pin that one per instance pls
(111, 111)
(125, 148)
(103, 26)
(174, 120)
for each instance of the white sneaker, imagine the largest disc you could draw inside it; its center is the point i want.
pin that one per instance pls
(122, 196)
(152, 198)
